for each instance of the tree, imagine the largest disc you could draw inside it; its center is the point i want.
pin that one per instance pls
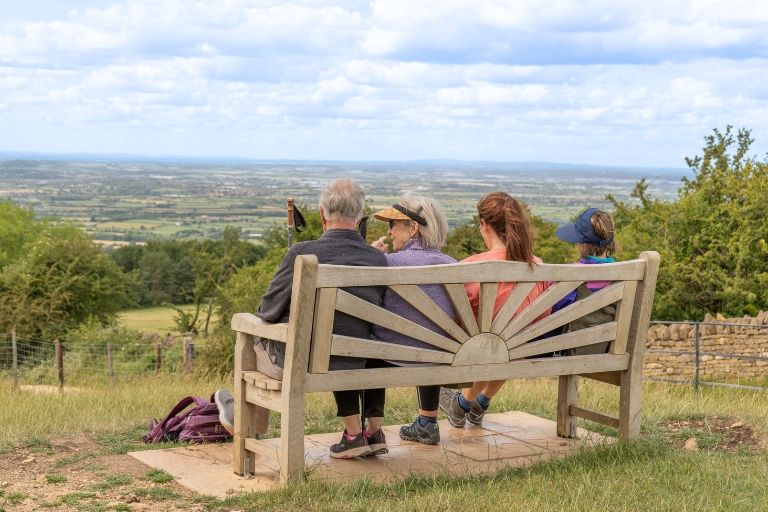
(712, 240)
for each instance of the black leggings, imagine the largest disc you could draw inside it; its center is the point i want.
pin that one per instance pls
(429, 397)
(348, 402)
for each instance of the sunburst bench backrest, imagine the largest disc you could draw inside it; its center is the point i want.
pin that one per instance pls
(487, 348)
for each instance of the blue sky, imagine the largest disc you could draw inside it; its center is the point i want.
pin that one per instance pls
(597, 82)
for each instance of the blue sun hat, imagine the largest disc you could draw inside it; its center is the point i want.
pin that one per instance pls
(582, 232)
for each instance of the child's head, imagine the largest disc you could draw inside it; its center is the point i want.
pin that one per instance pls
(592, 231)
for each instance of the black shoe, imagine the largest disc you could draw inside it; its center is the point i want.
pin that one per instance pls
(350, 447)
(377, 443)
(430, 434)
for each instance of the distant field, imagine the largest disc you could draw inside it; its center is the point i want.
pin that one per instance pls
(159, 319)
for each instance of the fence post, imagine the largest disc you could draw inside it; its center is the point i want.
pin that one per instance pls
(15, 355)
(158, 358)
(60, 363)
(111, 364)
(191, 357)
(186, 354)
(697, 358)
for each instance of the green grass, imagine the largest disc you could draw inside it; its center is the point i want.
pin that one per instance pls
(159, 476)
(55, 479)
(649, 474)
(112, 481)
(158, 319)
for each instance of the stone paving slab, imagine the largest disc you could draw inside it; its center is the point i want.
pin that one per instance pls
(506, 439)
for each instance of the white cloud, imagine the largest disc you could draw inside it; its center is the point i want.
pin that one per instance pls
(566, 80)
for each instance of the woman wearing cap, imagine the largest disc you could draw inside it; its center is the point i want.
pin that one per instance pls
(418, 228)
(593, 235)
(508, 234)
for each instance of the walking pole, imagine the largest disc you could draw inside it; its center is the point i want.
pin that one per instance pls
(290, 222)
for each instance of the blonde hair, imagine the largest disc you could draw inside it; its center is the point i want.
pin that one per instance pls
(602, 223)
(432, 235)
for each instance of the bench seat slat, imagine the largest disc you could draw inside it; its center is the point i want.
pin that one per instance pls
(343, 276)
(597, 300)
(344, 380)
(354, 306)
(358, 347)
(260, 380)
(580, 338)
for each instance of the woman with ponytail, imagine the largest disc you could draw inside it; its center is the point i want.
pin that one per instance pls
(508, 234)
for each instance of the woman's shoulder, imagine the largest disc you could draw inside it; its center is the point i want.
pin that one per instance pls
(495, 254)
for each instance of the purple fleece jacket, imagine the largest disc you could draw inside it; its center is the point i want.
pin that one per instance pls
(411, 255)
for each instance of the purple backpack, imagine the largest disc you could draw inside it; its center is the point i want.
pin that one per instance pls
(200, 424)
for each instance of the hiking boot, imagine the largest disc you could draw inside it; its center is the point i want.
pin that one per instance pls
(377, 443)
(476, 413)
(226, 405)
(449, 404)
(350, 447)
(430, 434)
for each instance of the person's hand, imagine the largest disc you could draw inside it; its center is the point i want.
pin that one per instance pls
(380, 245)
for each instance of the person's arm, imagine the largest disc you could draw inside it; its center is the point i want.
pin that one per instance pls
(278, 296)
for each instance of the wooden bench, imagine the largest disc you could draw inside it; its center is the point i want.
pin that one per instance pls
(487, 349)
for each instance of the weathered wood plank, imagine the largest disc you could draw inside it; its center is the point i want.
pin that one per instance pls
(351, 305)
(416, 297)
(357, 347)
(589, 336)
(567, 396)
(458, 295)
(246, 422)
(322, 330)
(338, 276)
(631, 391)
(436, 375)
(269, 451)
(540, 304)
(598, 300)
(487, 302)
(266, 398)
(624, 317)
(597, 417)
(260, 380)
(251, 324)
(607, 377)
(296, 365)
(510, 306)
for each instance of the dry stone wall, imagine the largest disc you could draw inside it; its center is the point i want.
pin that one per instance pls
(723, 339)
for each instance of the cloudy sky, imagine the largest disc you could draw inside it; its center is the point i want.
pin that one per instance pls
(636, 83)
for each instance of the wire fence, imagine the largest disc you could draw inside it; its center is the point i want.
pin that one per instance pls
(698, 355)
(35, 361)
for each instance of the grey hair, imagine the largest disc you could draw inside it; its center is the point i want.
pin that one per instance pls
(342, 200)
(432, 235)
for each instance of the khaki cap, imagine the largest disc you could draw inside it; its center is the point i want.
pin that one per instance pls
(390, 214)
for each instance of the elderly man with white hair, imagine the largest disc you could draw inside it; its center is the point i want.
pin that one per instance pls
(341, 208)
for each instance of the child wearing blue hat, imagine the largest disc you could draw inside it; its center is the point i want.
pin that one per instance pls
(593, 235)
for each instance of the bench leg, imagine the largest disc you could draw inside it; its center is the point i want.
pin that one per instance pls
(567, 395)
(292, 441)
(249, 419)
(630, 402)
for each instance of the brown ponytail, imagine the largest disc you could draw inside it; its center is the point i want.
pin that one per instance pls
(507, 217)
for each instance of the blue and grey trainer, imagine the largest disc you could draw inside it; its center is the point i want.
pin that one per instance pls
(449, 404)
(428, 434)
(476, 413)
(226, 405)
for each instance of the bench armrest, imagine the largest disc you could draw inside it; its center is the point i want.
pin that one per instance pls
(251, 324)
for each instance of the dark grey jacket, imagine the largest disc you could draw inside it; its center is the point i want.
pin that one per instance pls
(335, 247)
